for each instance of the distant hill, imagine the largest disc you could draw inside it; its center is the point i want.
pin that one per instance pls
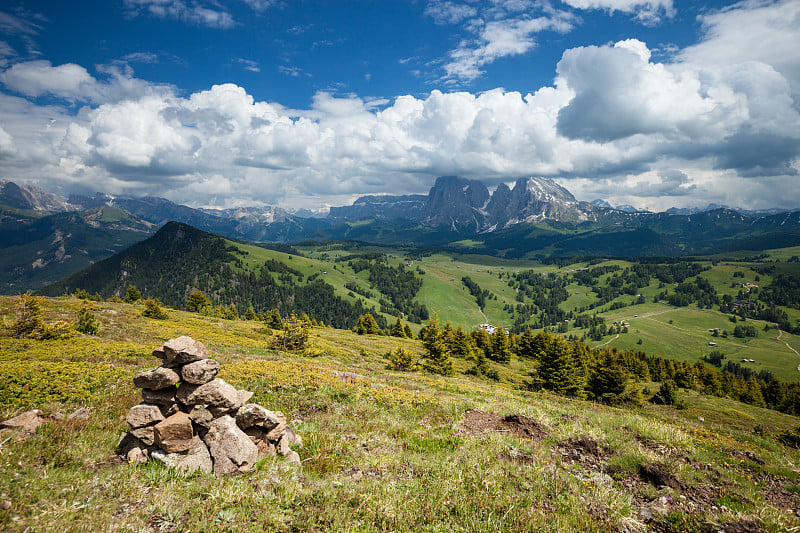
(178, 259)
(37, 250)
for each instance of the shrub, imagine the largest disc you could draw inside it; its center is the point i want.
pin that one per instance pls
(30, 322)
(132, 294)
(152, 309)
(87, 323)
(402, 360)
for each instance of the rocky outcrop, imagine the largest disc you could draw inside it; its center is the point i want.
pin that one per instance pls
(191, 420)
(407, 207)
(456, 202)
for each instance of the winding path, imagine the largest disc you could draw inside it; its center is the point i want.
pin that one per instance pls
(608, 341)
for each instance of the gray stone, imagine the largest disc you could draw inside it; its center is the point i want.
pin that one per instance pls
(174, 434)
(254, 415)
(27, 421)
(278, 431)
(282, 446)
(294, 438)
(231, 449)
(160, 397)
(156, 379)
(181, 351)
(200, 372)
(216, 393)
(200, 415)
(245, 396)
(144, 414)
(169, 409)
(196, 458)
(80, 414)
(145, 434)
(136, 456)
(127, 442)
(294, 457)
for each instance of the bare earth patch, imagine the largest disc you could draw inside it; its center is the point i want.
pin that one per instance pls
(481, 423)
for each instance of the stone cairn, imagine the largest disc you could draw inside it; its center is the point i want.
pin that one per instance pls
(192, 420)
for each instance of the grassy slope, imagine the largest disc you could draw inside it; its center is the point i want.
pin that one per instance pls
(383, 450)
(444, 293)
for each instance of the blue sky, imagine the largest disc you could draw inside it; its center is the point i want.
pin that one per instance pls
(653, 103)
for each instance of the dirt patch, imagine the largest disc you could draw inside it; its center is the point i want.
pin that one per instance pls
(482, 423)
(740, 526)
(582, 450)
(658, 476)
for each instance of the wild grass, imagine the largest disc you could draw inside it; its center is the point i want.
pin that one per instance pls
(383, 451)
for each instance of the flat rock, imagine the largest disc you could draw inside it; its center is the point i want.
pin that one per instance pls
(174, 434)
(144, 414)
(181, 351)
(200, 372)
(253, 414)
(160, 397)
(245, 396)
(196, 457)
(27, 421)
(156, 379)
(146, 434)
(216, 393)
(80, 414)
(231, 449)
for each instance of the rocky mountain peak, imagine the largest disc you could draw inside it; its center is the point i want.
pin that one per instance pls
(32, 197)
(456, 202)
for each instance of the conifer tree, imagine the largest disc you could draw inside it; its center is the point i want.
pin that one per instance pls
(437, 359)
(500, 349)
(560, 371)
(402, 360)
(152, 309)
(408, 332)
(87, 323)
(250, 314)
(197, 302)
(367, 325)
(461, 345)
(132, 294)
(397, 329)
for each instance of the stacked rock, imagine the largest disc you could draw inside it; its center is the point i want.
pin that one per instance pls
(191, 420)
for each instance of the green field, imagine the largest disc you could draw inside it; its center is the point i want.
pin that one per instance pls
(686, 337)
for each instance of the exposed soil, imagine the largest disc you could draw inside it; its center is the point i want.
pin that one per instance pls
(659, 476)
(482, 423)
(583, 450)
(739, 526)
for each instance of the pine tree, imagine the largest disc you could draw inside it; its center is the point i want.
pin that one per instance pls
(296, 333)
(132, 294)
(197, 302)
(560, 370)
(461, 345)
(408, 332)
(500, 349)
(367, 325)
(29, 317)
(397, 329)
(152, 309)
(437, 359)
(250, 314)
(525, 346)
(402, 360)
(87, 323)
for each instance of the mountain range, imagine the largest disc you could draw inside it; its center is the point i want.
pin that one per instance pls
(44, 237)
